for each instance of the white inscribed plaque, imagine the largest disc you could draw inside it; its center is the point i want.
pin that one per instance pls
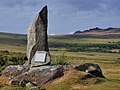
(40, 57)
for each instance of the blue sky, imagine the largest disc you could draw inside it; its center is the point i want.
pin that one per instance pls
(65, 16)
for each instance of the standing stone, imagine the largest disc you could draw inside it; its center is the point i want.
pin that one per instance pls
(37, 35)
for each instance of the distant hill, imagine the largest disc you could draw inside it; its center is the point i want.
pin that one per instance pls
(96, 33)
(100, 31)
(12, 38)
(93, 39)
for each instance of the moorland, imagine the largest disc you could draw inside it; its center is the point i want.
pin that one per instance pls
(96, 46)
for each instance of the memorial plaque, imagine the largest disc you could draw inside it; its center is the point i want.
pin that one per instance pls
(40, 58)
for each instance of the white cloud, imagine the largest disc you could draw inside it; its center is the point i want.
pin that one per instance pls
(71, 33)
(52, 34)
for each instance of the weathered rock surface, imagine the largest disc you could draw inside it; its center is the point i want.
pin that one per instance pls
(37, 35)
(39, 75)
(14, 70)
(93, 69)
(68, 67)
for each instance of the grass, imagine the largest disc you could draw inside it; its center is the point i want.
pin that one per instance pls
(109, 62)
(72, 80)
(10, 87)
(13, 48)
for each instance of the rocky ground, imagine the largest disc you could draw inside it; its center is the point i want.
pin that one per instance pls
(47, 76)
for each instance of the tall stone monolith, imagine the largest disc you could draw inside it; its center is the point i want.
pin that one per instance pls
(37, 34)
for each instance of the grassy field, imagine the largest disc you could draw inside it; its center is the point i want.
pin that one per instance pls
(76, 49)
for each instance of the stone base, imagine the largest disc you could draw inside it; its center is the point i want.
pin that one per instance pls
(17, 74)
(38, 76)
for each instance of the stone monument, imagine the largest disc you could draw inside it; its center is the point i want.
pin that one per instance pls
(38, 54)
(37, 45)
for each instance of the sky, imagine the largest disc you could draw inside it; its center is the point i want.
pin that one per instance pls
(64, 16)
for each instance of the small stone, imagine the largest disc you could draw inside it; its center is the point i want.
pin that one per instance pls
(14, 82)
(31, 86)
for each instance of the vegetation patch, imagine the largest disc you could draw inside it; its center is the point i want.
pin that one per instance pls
(87, 47)
(11, 58)
(60, 59)
(1, 85)
(103, 49)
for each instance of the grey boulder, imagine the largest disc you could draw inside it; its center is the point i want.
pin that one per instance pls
(38, 75)
(93, 69)
(14, 70)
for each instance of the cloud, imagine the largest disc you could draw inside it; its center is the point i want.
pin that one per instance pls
(16, 15)
(14, 3)
(64, 15)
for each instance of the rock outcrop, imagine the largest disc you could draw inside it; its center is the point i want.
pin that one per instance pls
(39, 76)
(93, 69)
(14, 70)
(19, 75)
(37, 35)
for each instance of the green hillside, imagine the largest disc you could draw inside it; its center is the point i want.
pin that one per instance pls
(9, 38)
(74, 42)
(103, 49)
(13, 42)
